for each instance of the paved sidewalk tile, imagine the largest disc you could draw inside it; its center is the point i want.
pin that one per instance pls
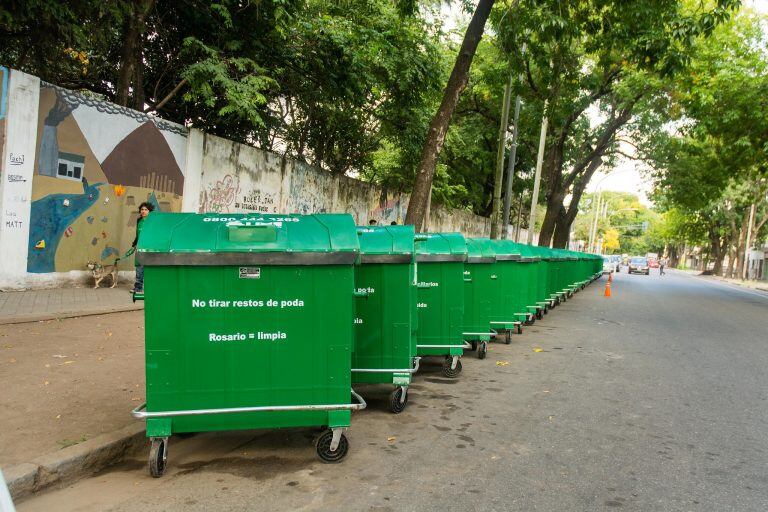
(33, 305)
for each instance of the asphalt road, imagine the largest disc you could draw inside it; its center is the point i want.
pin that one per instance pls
(653, 399)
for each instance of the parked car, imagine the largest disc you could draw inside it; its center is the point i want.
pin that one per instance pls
(638, 264)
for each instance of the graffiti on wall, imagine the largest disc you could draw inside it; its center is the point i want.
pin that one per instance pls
(311, 190)
(219, 197)
(95, 162)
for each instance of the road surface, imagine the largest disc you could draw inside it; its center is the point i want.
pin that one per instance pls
(653, 399)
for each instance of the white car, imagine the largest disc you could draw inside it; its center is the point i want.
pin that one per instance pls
(610, 264)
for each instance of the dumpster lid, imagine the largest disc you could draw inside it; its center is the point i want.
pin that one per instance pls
(441, 247)
(386, 244)
(528, 253)
(244, 239)
(480, 250)
(506, 250)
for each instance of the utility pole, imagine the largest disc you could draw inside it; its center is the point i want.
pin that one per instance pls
(519, 214)
(537, 177)
(593, 228)
(502, 142)
(512, 159)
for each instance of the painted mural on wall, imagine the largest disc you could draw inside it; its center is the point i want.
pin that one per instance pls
(3, 106)
(95, 163)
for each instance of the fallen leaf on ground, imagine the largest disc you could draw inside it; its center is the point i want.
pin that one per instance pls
(545, 391)
(502, 363)
(537, 349)
(58, 416)
(46, 383)
(47, 365)
(59, 356)
(12, 360)
(66, 362)
(391, 439)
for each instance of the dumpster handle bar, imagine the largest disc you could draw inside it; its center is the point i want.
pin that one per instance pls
(415, 369)
(441, 346)
(139, 413)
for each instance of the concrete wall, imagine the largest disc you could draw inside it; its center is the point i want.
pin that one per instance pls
(75, 168)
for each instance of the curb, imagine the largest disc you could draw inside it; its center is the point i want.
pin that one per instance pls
(37, 317)
(74, 462)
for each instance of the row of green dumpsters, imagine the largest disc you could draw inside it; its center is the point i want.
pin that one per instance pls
(267, 321)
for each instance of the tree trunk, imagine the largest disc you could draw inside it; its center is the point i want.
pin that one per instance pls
(439, 126)
(740, 248)
(717, 254)
(131, 53)
(565, 219)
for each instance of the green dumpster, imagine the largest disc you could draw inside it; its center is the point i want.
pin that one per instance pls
(532, 305)
(480, 285)
(440, 282)
(248, 325)
(506, 312)
(385, 325)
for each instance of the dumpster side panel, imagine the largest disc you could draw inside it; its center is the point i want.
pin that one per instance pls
(383, 321)
(219, 340)
(441, 307)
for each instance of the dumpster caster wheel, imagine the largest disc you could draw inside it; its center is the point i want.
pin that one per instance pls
(530, 321)
(324, 444)
(507, 337)
(449, 372)
(398, 400)
(158, 455)
(539, 314)
(519, 328)
(482, 350)
(474, 345)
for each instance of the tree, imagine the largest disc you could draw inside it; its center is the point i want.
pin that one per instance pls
(438, 127)
(713, 166)
(587, 55)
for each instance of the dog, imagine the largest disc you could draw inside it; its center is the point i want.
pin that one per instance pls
(100, 271)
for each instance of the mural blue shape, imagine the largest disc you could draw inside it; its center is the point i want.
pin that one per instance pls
(49, 220)
(3, 91)
(109, 251)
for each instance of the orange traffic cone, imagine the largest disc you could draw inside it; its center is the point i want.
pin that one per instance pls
(608, 288)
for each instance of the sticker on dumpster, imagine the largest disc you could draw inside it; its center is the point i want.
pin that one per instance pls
(240, 336)
(421, 305)
(369, 290)
(428, 284)
(250, 272)
(248, 303)
(234, 221)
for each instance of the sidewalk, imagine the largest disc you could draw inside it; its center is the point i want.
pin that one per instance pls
(69, 381)
(755, 285)
(34, 305)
